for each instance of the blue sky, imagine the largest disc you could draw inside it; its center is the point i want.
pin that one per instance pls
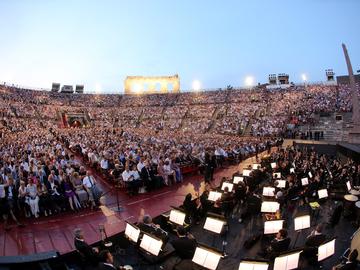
(99, 43)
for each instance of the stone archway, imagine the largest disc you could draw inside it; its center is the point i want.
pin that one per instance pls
(147, 85)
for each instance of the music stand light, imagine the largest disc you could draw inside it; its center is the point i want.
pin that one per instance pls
(253, 265)
(304, 181)
(281, 183)
(273, 165)
(151, 244)
(310, 174)
(214, 224)
(268, 191)
(132, 232)
(177, 217)
(207, 258)
(326, 250)
(228, 185)
(214, 196)
(273, 226)
(269, 207)
(287, 261)
(246, 172)
(277, 175)
(238, 179)
(323, 193)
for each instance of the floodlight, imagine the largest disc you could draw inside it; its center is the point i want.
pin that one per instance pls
(196, 85)
(249, 81)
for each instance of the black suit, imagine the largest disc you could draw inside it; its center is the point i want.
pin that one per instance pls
(280, 246)
(348, 266)
(86, 250)
(184, 247)
(315, 240)
(103, 266)
(151, 181)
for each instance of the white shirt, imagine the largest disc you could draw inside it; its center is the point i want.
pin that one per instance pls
(88, 181)
(139, 166)
(127, 176)
(104, 164)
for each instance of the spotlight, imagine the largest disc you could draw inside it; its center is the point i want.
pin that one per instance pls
(196, 85)
(249, 81)
(304, 77)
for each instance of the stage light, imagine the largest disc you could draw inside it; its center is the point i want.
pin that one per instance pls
(304, 77)
(196, 85)
(137, 89)
(249, 81)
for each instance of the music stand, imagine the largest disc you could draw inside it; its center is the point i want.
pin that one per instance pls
(304, 181)
(287, 261)
(214, 196)
(268, 191)
(207, 257)
(177, 217)
(253, 265)
(273, 165)
(273, 226)
(151, 244)
(228, 185)
(281, 183)
(323, 193)
(132, 232)
(326, 250)
(255, 166)
(301, 223)
(214, 223)
(246, 172)
(269, 207)
(238, 179)
(277, 175)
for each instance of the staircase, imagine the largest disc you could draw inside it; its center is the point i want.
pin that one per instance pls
(186, 115)
(140, 118)
(247, 130)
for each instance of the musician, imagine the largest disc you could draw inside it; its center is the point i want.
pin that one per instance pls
(107, 261)
(279, 244)
(351, 262)
(316, 237)
(90, 254)
(146, 225)
(185, 244)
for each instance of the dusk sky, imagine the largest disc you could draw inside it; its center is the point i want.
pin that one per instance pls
(99, 43)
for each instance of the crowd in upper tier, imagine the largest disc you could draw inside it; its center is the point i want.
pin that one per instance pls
(139, 141)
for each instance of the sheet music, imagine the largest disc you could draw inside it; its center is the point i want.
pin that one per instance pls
(323, 193)
(281, 183)
(247, 265)
(238, 179)
(213, 225)
(214, 196)
(269, 191)
(132, 232)
(273, 165)
(348, 185)
(273, 226)
(302, 222)
(304, 181)
(151, 245)
(269, 207)
(326, 250)
(246, 172)
(177, 217)
(256, 166)
(205, 258)
(287, 262)
(292, 170)
(277, 175)
(228, 185)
